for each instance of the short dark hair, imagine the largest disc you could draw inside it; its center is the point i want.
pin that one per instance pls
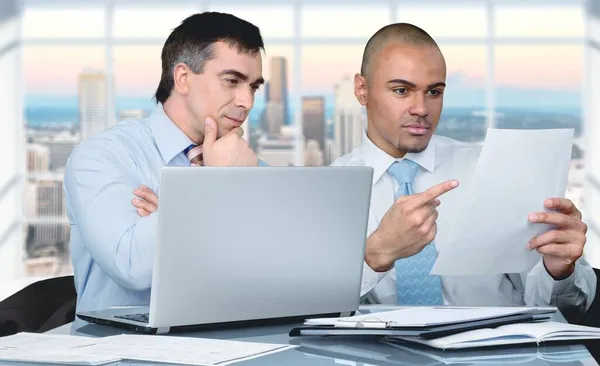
(405, 33)
(192, 43)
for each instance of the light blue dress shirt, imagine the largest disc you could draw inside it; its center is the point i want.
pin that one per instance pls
(112, 247)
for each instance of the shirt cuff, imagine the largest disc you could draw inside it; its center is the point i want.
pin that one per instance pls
(370, 279)
(552, 286)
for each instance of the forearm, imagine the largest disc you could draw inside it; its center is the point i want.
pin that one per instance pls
(376, 257)
(123, 247)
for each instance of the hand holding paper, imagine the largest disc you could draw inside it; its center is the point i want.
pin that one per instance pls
(517, 171)
(562, 246)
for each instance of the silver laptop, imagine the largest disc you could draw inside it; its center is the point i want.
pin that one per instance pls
(247, 245)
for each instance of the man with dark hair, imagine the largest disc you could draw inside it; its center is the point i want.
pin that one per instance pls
(211, 69)
(401, 84)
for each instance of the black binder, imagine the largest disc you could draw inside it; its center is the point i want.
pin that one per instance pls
(420, 332)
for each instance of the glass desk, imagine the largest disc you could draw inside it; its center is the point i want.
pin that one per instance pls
(359, 351)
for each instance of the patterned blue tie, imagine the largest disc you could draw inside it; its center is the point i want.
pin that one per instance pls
(414, 284)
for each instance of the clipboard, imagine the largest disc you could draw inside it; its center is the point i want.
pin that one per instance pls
(419, 332)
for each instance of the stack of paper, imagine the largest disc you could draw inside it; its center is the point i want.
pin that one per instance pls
(66, 349)
(511, 334)
(500, 356)
(367, 352)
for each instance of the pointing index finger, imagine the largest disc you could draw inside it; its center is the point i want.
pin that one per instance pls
(434, 192)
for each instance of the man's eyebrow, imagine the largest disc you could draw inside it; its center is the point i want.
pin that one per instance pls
(402, 81)
(435, 85)
(241, 76)
(413, 85)
(235, 73)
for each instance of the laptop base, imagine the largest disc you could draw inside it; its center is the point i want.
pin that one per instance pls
(146, 329)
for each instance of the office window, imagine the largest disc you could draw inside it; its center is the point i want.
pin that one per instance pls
(464, 97)
(278, 52)
(52, 71)
(273, 21)
(278, 71)
(539, 21)
(465, 75)
(536, 84)
(137, 73)
(540, 87)
(65, 23)
(325, 66)
(348, 21)
(446, 21)
(539, 78)
(52, 115)
(148, 21)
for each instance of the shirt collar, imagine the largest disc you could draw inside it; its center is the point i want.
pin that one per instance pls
(170, 140)
(381, 161)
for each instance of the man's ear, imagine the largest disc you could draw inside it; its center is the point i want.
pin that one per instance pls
(181, 78)
(360, 89)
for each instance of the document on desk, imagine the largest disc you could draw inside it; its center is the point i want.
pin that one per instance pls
(183, 350)
(76, 350)
(47, 348)
(523, 333)
(421, 316)
(516, 172)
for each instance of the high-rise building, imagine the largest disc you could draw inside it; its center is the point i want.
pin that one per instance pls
(313, 156)
(278, 88)
(313, 120)
(60, 147)
(277, 152)
(274, 116)
(280, 151)
(93, 103)
(349, 121)
(37, 158)
(50, 198)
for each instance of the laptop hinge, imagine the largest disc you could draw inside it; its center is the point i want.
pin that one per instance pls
(163, 330)
(346, 313)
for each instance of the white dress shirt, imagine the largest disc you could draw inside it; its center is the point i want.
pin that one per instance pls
(446, 159)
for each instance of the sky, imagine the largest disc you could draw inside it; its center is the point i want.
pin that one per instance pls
(532, 69)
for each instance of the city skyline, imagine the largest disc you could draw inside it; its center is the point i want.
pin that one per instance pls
(466, 67)
(531, 68)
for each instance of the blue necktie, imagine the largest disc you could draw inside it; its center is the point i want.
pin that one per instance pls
(414, 284)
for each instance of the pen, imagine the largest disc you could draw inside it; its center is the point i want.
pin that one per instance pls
(363, 324)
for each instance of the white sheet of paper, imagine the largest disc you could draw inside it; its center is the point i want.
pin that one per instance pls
(516, 172)
(46, 348)
(75, 350)
(183, 350)
(512, 334)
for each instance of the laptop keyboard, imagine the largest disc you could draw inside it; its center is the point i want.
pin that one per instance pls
(142, 318)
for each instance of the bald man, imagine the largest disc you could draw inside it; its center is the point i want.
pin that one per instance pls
(402, 84)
